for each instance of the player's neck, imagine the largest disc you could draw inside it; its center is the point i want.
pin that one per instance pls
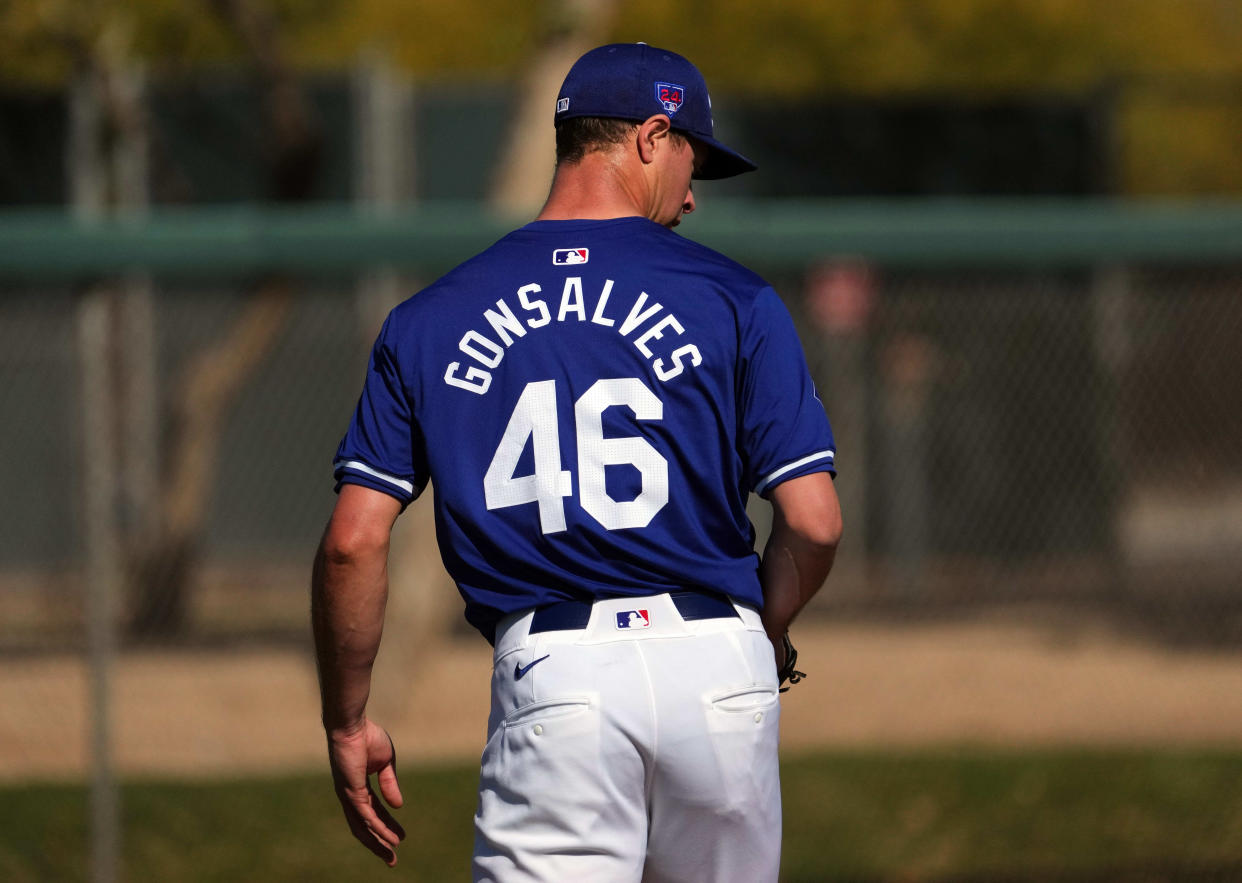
(596, 188)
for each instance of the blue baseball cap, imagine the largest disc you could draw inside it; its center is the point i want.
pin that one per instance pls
(633, 81)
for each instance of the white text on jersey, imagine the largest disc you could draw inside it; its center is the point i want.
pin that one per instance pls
(503, 325)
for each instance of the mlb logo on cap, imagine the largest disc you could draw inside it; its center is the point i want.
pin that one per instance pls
(671, 96)
(633, 619)
(563, 256)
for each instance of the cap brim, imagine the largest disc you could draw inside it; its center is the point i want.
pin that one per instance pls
(721, 162)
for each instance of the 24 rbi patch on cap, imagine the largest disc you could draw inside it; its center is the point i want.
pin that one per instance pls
(671, 96)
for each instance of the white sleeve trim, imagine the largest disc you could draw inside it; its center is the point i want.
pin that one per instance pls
(788, 467)
(406, 486)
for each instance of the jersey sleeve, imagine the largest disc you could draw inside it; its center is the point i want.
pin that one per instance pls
(784, 432)
(382, 448)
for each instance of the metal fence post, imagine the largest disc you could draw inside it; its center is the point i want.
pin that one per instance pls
(102, 571)
(92, 168)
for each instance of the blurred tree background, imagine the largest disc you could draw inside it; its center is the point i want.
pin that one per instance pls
(387, 101)
(1041, 445)
(1172, 69)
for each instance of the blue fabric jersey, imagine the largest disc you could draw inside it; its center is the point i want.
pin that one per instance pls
(592, 402)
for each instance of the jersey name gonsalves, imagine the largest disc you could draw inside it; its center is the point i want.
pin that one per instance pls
(645, 322)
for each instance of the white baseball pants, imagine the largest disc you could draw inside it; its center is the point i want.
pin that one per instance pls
(641, 747)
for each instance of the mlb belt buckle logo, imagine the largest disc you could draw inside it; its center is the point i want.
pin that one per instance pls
(670, 95)
(565, 256)
(633, 619)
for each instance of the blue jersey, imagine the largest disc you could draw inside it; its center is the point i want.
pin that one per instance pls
(592, 402)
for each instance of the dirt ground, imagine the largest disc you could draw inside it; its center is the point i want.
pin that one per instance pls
(983, 682)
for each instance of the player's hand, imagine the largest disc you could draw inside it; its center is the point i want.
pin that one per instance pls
(356, 755)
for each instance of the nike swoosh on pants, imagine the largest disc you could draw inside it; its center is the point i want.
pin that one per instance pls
(520, 671)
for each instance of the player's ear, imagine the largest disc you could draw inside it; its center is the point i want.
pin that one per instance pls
(652, 134)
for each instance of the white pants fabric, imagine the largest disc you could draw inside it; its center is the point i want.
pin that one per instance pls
(646, 752)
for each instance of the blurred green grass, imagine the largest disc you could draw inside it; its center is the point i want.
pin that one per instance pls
(1056, 815)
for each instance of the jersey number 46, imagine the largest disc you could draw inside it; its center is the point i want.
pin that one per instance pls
(534, 420)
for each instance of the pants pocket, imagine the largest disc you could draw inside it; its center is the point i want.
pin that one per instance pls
(744, 727)
(546, 808)
(546, 711)
(752, 699)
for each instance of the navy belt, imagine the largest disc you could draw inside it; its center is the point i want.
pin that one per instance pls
(565, 615)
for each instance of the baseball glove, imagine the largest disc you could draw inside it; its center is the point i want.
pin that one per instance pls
(788, 672)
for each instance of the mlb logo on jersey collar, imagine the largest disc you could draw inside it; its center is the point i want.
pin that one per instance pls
(564, 256)
(633, 619)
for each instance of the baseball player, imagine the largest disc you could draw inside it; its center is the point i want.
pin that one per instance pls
(592, 399)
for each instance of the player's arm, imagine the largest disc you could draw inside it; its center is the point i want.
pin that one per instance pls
(349, 590)
(806, 527)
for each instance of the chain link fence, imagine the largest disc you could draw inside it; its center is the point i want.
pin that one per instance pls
(1036, 409)
(1050, 442)
(1067, 437)
(1005, 437)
